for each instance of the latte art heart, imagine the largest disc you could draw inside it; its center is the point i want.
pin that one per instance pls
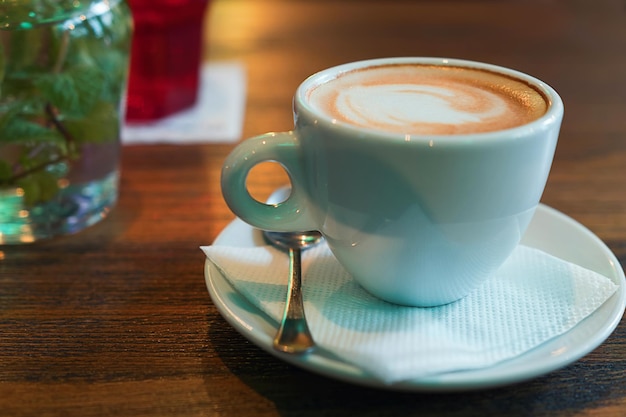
(428, 99)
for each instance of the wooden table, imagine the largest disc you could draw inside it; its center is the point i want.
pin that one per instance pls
(116, 320)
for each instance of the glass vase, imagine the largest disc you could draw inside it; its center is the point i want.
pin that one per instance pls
(63, 76)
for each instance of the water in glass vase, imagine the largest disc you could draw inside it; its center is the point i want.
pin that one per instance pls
(63, 75)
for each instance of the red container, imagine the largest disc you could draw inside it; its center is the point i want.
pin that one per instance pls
(166, 57)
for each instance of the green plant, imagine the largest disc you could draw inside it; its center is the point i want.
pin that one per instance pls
(61, 82)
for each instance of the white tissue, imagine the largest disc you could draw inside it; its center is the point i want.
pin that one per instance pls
(217, 115)
(533, 298)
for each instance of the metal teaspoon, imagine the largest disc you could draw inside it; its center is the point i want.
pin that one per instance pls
(293, 334)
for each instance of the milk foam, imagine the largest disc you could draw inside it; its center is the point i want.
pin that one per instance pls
(426, 99)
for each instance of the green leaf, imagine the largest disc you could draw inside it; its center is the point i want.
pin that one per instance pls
(48, 185)
(39, 187)
(31, 190)
(100, 125)
(19, 130)
(32, 107)
(5, 171)
(74, 92)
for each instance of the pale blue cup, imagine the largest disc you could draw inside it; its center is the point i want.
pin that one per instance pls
(417, 220)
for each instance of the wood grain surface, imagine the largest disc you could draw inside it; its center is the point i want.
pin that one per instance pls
(117, 321)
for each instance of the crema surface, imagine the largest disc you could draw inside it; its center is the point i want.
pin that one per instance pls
(428, 99)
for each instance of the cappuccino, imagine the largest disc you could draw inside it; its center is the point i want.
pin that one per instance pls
(428, 99)
(419, 217)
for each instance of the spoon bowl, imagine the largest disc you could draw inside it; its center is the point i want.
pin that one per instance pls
(289, 240)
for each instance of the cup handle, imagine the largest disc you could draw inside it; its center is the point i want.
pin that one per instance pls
(292, 214)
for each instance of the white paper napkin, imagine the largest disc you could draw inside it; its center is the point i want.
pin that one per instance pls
(217, 116)
(531, 299)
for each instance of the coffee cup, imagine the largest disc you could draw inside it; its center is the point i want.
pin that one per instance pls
(421, 173)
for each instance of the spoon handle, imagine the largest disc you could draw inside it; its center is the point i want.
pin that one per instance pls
(293, 334)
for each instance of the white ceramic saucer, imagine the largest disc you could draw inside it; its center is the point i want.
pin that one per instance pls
(550, 231)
